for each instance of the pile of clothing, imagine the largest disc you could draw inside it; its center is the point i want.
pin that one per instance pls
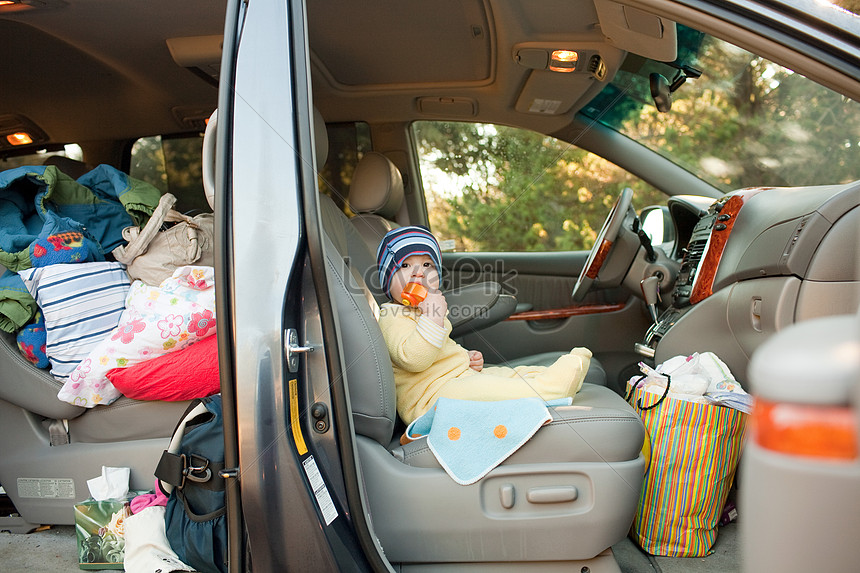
(75, 309)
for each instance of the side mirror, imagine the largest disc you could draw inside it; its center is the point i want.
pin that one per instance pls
(657, 224)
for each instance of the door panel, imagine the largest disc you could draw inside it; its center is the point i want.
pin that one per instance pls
(609, 322)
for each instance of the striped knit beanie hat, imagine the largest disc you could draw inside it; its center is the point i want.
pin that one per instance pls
(400, 243)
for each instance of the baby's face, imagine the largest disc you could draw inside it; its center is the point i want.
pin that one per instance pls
(415, 268)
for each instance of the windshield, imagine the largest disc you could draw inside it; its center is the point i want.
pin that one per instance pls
(737, 120)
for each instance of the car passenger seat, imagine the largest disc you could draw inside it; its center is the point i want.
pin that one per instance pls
(564, 498)
(52, 443)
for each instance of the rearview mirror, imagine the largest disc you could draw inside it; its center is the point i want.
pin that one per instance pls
(661, 92)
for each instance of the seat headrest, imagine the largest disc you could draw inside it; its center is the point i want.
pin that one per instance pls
(71, 167)
(377, 186)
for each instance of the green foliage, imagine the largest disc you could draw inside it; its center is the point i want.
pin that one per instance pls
(745, 122)
(518, 190)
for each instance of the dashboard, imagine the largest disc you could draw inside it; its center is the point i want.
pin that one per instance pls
(753, 262)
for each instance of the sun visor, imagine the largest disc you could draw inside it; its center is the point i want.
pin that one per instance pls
(637, 31)
(200, 54)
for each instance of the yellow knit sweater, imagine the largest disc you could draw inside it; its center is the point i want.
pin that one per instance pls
(421, 367)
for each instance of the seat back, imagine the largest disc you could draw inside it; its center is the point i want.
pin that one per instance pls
(370, 378)
(71, 167)
(376, 197)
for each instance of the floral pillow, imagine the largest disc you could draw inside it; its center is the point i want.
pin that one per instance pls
(156, 320)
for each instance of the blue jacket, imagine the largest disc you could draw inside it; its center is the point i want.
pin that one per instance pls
(46, 217)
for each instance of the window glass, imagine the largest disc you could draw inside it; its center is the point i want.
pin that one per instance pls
(497, 188)
(347, 143)
(736, 119)
(173, 165)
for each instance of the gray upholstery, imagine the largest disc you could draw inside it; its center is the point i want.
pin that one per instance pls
(127, 420)
(127, 433)
(350, 244)
(377, 187)
(369, 376)
(590, 450)
(375, 196)
(597, 427)
(35, 390)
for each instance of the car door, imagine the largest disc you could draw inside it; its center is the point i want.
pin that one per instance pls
(289, 436)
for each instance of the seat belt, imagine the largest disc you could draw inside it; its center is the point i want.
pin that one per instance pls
(59, 432)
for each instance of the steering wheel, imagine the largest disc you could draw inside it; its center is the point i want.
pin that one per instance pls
(603, 244)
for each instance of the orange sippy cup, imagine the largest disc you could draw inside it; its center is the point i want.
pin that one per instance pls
(413, 293)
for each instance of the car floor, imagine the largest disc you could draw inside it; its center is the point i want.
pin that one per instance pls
(54, 550)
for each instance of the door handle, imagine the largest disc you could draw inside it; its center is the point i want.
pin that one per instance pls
(292, 349)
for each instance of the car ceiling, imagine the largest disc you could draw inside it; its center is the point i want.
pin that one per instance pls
(101, 69)
(90, 70)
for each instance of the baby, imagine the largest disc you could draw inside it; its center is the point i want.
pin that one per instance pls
(427, 363)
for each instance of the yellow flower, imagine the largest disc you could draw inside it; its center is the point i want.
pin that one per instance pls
(170, 343)
(103, 360)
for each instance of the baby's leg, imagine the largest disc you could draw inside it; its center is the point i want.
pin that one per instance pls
(562, 379)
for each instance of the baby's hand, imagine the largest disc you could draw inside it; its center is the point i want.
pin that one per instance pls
(476, 360)
(434, 307)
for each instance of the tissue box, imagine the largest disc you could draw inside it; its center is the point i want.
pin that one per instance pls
(99, 525)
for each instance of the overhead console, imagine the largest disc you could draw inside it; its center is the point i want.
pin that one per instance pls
(566, 75)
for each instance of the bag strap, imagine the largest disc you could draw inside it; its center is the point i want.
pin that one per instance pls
(196, 408)
(177, 469)
(174, 216)
(639, 399)
(138, 240)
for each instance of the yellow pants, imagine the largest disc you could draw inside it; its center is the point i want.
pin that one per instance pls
(560, 380)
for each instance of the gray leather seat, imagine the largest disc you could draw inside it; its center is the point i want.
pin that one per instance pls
(566, 496)
(376, 197)
(48, 438)
(589, 455)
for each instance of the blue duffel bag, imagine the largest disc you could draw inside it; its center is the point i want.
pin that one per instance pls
(189, 473)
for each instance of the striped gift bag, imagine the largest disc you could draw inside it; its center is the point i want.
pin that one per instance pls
(694, 454)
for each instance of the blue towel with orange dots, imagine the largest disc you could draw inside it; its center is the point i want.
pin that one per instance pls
(470, 438)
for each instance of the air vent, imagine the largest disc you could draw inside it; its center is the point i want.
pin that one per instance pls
(695, 251)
